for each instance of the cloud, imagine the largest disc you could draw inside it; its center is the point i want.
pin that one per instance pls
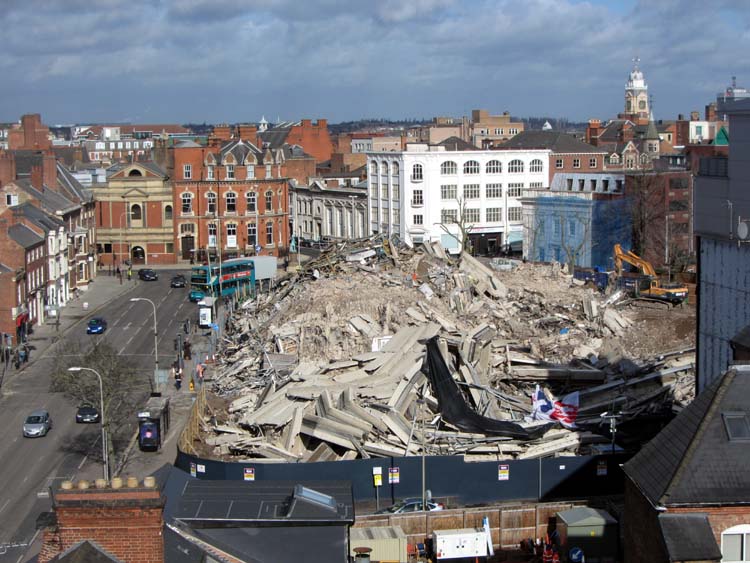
(238, 59)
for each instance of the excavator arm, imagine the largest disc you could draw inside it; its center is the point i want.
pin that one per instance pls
(634, 260)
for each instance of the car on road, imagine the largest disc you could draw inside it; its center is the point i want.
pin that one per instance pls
(196, 295)
(87, 413)
(97, 325)
(37, 424)
(411, 505)
(147, 274)
(178, 281)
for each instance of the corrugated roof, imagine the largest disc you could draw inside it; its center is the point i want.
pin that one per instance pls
(692, 461)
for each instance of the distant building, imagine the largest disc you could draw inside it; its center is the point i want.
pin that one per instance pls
(489, 131)
(426, 192)
(637, 104)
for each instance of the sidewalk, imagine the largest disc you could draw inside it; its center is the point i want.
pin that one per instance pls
(101, 291)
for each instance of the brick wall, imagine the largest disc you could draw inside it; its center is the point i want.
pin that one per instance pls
(721, 518)
(31, 135)
(642, 541)
(7, 168)
(127, 523)
(313, 138)
(568, 162)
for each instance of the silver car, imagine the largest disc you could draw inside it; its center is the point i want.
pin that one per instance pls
(37, 424)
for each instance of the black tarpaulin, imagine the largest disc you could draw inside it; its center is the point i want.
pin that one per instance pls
(453, 407)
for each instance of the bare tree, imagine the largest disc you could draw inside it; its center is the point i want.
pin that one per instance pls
(647, 209)
(570, 244)
(462, 223)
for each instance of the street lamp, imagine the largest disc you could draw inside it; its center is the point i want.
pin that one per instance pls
(156, 339)
(101, 414)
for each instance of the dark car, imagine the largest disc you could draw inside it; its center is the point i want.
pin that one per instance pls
(147, 274)
(87, 413)
(178, 281)
(97, 325)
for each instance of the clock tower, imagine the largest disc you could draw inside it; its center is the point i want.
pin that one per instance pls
(636, 96)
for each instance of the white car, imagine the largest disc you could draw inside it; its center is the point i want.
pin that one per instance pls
(411, 505)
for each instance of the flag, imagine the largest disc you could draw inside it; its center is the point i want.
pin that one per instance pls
(564, 410)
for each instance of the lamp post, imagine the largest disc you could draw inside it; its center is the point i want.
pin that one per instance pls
(101, 414)
(156, 339)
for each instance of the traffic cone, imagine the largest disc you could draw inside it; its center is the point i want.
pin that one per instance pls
(192, 385)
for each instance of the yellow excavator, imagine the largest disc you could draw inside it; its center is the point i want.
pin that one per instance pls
(647, 285)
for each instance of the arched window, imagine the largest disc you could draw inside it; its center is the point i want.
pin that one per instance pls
(251, 199)
(417, 172)
(384, 169)
(471, 167)
(374, 168)
(135, 212)
(394, 169)
(231, 202)
(168, 213)
(269, 201)
(536, 165)
(515, 166)
(494, 167)
(448, 168)
(135, 172)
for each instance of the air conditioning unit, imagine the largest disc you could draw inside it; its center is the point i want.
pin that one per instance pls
(743, 229)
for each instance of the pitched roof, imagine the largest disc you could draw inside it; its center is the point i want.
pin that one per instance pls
(556, 141)
(456, 144)
(71, 186)
(38, 217)
(692, 461)
(24, 236)
(275, 137)
(51, 200)
(688, 537)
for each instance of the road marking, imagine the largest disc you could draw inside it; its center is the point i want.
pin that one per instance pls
(4, 505)
(30, 543)
(127, 326)
(83, 461)
(26, 478)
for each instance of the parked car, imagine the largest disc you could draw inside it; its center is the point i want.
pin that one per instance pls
(411, 505)
(97, 325)
(37, 424)
(196, 295)
(178, 281)
(147, 274)
(87, 413)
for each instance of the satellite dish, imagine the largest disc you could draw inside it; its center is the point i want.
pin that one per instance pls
(743, 230)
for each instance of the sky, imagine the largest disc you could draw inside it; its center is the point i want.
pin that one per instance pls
(179, 61)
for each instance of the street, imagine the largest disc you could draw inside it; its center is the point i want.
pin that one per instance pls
(73, 450)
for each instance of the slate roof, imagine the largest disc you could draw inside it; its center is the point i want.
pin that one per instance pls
(51, 200)
(688, 537)
(147, 164)
(24, 236)
(275, 137)
(85, 552)
(456, 144)
(41, 219)
(71, 186)
(692, 461)
(556, 141)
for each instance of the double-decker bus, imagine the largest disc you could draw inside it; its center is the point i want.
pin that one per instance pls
(237, 276)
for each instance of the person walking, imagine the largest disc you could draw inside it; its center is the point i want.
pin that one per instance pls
(130, 274)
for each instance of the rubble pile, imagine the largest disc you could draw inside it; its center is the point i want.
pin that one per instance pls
(330, 364)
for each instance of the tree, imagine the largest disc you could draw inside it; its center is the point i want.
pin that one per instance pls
(461, 223)
(646, 207)
(571, 245)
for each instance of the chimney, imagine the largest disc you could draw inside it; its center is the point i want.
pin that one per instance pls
(222, 132)
(7, 168)
(680, 117)
(125, 520)
(694, 116)
(322, 123)
(306, 123)
(247, 132)
(711, 112)
(37, 177)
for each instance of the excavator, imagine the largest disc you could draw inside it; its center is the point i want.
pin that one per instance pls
(647, 285)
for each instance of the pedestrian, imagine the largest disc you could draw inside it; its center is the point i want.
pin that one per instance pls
(26, 352)
(117, 271)
(16, 360)
(178, 377)
(187, 350)
(130, 274)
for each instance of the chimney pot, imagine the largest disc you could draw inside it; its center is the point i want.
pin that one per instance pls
(117, 483)
(149, 482)
(83, 484)
(100, 483)
(132, 482)
(66, 485)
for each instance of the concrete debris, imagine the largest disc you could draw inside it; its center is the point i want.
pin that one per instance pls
(328, 365)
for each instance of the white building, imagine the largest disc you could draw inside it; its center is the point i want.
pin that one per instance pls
(422, 194)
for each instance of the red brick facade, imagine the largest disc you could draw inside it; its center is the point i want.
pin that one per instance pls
(313, 137)
(576, 163)
(127, 523)
(31, 135)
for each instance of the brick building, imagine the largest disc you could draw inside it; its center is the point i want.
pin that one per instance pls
(231, 195)
(687, 492)
(30, 134)
(313, 137)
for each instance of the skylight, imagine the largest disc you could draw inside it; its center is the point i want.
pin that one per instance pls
(314, 497)
(737, 426)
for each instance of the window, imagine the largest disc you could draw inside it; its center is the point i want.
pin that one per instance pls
(269, 201)
(230, 171)
(187, 171)
(212, 234)
(576, 163)
(605, 185)
(735, 543)
(418, 220)
(471, 167)
(494, 167)
(135, 212)
(592, 183)
(384, 190)
(231, 234)
(250, 171)
(678, 183)
(449, 191)
(536, 165)
(396, 217)
(374, 168)
(251, 201)
(211, 202)
(513, 131)
(417, 173)
(536, 185)
(737, 426)
(630, 162)
(269, 233)
(252, 234)
(493, 191)
(209, 173)
(494, 214)
(514, 190)
(448, 168)
(592, 163)
(231, 202)
(559, 163)
(471, 215)
(168, 213)
(268, 173)
(471, 191)
(572, 227)
(498, 131)
(581, 185)
(11, 199)
(448, 216)
(515, 166)
(187, 229)
(514, 213)
(416, 198)
(187, 203)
